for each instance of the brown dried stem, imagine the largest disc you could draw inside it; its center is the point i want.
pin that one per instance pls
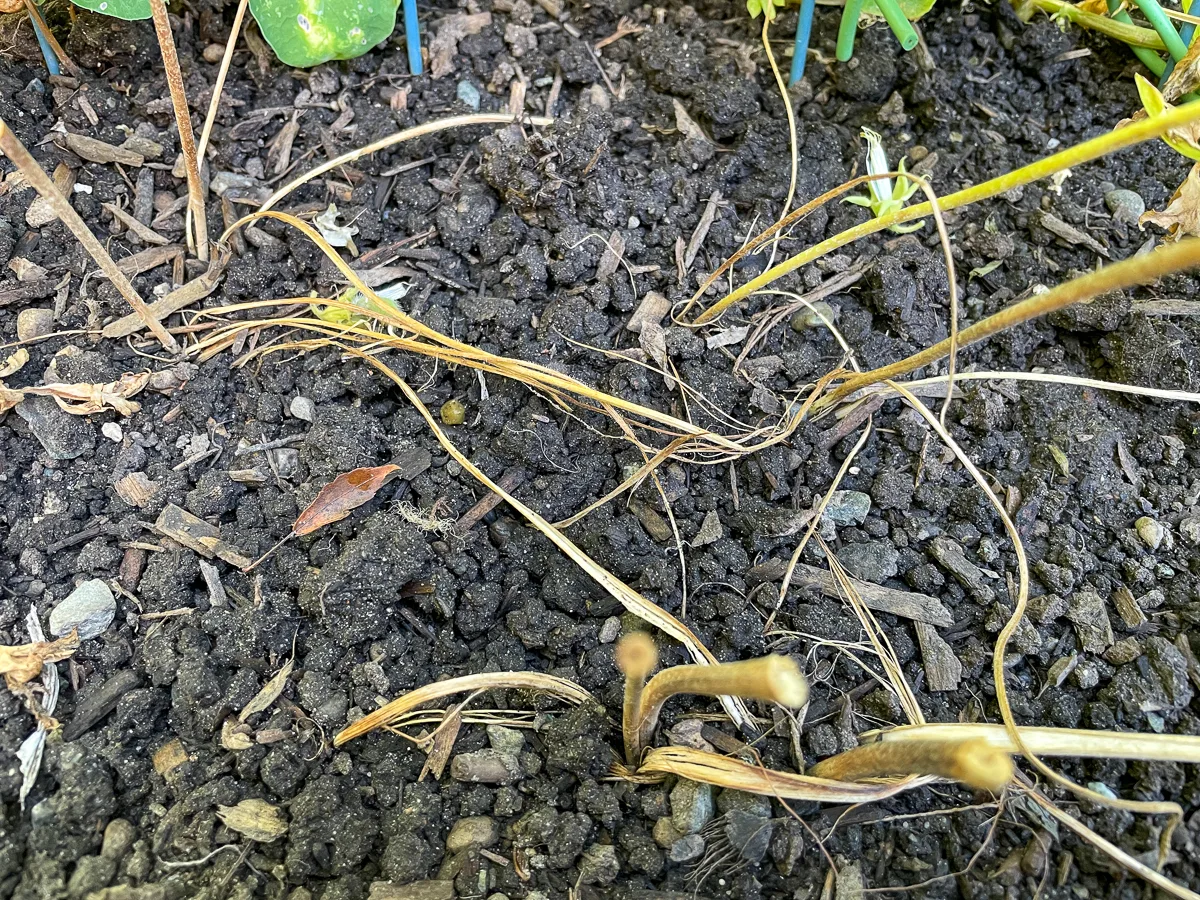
(11, 147)
(198, 232)
(974, 762)
(636, 657)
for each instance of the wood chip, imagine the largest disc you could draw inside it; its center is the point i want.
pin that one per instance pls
(653, 308)
(943, 671)
(212, 580)
(701, 232)
(92, 150)
(1128, 609)
(41, 211)
(1071, 234)
(194, 533)
(135, 489)
(169, 757)
(145, 260)
(144, 232)
(614, 252)
(908, 604)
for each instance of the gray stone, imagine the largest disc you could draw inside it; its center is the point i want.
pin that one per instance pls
(687, 848)
(91, 874)
(62, 435)
(1150, 531)
(506, 740)
(91, 608)
(1087, 613)
(1189, 530)
(749, 834)
(875, 561)
(665, 834)
(847, 508)
(118, 839)
(486, 767)
(610, 629)
(691, 806)
(34, 323)
(710, 530)
(1125, 205)
(302, 408)
(473, 832)
(599, 864)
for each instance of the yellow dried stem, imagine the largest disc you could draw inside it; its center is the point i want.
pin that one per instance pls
(636, 658)
(974, 762)
(183, 118)
(11, 147)
(773, 678)
(222, 73)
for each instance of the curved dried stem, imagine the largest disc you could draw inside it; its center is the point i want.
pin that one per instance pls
(636, 657)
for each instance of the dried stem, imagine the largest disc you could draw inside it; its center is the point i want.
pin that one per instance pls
(11, 147)
(213, 105)
(198, 232)
(636, 657)
(974, 762)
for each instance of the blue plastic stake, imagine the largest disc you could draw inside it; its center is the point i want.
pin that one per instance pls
(47, 50)
(803, 34)
(1187, 31)
(412, 38)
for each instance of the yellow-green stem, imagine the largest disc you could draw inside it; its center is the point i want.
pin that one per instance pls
(1132, 35)
(1103, 145)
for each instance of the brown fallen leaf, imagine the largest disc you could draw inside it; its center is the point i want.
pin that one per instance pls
(85, 399)
(256, 819)
(270, 691)
(194, 533)
(24, 662)
(1185, 76)
(342, 496)
(1182, 215)
(15, 361)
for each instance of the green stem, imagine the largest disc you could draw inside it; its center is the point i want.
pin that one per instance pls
(1149, 59)
(1170, 37)
(1126, 34)
(847, 29)
(898, 21)
(1107, 143)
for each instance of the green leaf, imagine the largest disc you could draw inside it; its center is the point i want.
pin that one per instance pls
(118, 9)
(1152, 99)
(988, 269)
(912, 9)
(307, 33)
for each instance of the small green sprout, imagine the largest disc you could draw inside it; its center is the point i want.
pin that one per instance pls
(339, 315)
(1185, 141)
(884, 197)
(764, 7)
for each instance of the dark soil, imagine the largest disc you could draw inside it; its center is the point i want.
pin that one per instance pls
(373, 606)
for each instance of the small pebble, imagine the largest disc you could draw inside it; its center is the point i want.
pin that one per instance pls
(811, 317)
(472, 832)
(112, 431)
(469, 94)
(485, 767)
(1150, 531)
(1125, 205)
(91, 608)
(610, 629)
(453, 412)
(1189, 530)
(34, 323)
(687, 848)
(302, 408)
(213, 53)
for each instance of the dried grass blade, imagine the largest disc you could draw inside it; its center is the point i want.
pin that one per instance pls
(1075, 742)
(725, 772)
(485, 681)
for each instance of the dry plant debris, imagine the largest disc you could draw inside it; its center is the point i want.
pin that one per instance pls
(23, 662)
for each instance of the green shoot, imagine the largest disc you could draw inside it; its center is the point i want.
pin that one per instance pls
(767, 8)
(1180, 140)
(884, 198)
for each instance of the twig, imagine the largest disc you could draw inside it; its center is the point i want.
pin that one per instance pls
(183, 118)
(268, 445)
(509, 481)
(11, 147)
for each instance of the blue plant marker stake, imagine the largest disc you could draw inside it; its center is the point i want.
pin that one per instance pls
(412, 38)
(1186, 32)
(47, 50)
(803, 34)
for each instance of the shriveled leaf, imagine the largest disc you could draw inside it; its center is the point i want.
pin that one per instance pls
(9, 398)
(194, 533)
(1060, 460)
(235, 736)
(86, 399)
(256, 819)
(23, 662)
(439, 744)
(14, 363)
(1185, 77)
(981, 271)
(270, 692)
(342, 496)
(1182, 215)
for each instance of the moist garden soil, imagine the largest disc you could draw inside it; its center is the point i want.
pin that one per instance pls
(509, 230)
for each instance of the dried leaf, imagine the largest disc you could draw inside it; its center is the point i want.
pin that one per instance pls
(86, 399)
(14, 363)
(235, 736)
(1060, 460)
(653, 308)
(26, 270)
(270, 692)
(1185, 76)
(1182, 215)
(614, 252)
(256, 819)
(439, 744)
(335, 235)
(687, 125)
(23, 662)
(988, 269)
(194, 533)
(342, 496)
(727, 337)
(99, 152)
